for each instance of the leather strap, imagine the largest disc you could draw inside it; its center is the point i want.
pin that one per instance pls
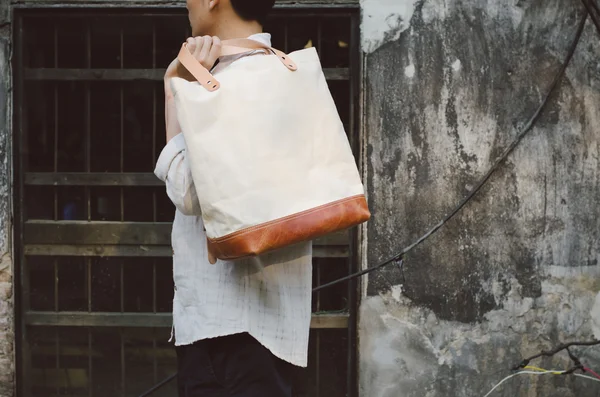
(255, 45)
(230, 47)
(199, 72)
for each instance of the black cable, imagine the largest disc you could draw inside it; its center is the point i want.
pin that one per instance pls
(595, 6)
(576, 361)
(398, 258)
(557, 350)
(592, 8)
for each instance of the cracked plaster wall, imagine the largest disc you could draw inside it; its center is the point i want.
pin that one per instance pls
(449, 83)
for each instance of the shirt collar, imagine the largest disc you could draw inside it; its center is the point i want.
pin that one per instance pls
(263, 38)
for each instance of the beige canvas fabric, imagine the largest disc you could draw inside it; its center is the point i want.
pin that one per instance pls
(267, 144)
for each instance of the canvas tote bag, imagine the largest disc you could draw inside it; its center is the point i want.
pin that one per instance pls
(270, 160)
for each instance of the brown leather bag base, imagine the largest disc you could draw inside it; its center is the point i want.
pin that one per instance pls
(303, 226)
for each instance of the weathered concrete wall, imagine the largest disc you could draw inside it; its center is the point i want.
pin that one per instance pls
(449, 84)
(7, 364)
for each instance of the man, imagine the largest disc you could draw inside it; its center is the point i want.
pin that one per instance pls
(240, 327)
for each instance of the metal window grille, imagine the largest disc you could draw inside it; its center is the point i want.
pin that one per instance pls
(93, 223)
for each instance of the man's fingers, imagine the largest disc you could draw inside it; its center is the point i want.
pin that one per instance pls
(199, 44)
(191, 44)
(205, 49)
(215, 51)
(206, 46)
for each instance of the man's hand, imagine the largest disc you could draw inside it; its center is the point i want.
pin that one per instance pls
(206, 50)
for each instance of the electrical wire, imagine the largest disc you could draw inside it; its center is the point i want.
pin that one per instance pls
(517, 374)
(591, 372)
(536, 372)
(554, 371)
(591, 8)
(596, 377)
(587, 377)
(554, 351)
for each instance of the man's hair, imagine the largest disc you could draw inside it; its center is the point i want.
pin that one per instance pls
(253, 10)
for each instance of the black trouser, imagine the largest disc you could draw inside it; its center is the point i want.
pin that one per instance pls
(233, 366)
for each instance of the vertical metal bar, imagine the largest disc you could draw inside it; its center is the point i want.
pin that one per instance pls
(55, 265)
(122, 362)
(88, 122)
(319, 43)
(154, 204)
(353, 285)
(318, 283)
(55, 102)
(154, 128)
(318, 336)
(88, 200)
(57, 359)
(154, 198)
(55, 122)
(55, 149)
(88, 134)
(154, 361)
(22, 276)
(122, 203)
(154, 289)
(90, 364)
(354, 55)
(318, 46)
(154, 95)
(122, 132)
(122, 287)
(89, 283)
(286, 34)
(88, 138)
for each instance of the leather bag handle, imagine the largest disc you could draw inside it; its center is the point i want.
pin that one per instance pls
(230, 47)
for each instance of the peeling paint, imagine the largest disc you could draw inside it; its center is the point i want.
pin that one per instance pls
(407, 347)
(384, 21)
(5, 263)
(509, 12)
(456, 65)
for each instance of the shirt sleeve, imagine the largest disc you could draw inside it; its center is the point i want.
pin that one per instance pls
(173, 168)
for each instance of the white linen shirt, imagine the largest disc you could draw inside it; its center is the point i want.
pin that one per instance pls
(269, 297)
